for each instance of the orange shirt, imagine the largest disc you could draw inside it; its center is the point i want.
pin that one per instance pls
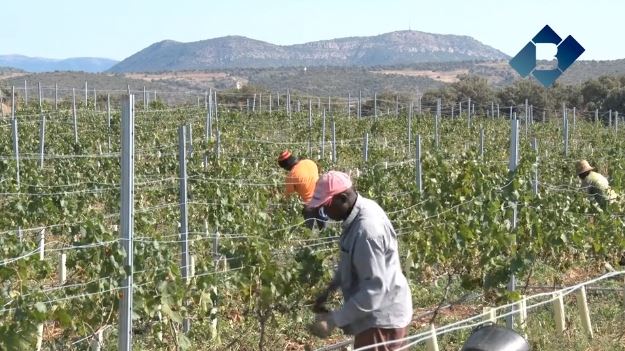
(302, 179)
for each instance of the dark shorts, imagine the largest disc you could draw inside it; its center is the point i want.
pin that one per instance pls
(374, 336)
(314, 217)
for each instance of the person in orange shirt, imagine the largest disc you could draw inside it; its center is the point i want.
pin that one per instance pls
(301, 179)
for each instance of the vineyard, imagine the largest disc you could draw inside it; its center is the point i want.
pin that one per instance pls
(463, 218)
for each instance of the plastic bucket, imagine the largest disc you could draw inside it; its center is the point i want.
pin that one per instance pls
(495, 338)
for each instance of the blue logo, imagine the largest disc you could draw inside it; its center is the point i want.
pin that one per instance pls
(525, 61)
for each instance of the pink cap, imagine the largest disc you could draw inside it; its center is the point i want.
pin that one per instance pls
(328, 185)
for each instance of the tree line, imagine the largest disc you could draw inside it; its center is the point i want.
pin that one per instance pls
(603, 94)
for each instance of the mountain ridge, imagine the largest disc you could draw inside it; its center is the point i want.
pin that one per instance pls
(234, 51)
(42, 64)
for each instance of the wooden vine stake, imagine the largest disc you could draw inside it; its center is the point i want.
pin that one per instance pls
(490, 314)
(522, 308)
(62, 274)
(584, 315)
(558, 310)
(432, 342)
(98, 339)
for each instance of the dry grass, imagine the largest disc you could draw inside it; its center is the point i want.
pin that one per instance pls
(187, 76)
(442, 76)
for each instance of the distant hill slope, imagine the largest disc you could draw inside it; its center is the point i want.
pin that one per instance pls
(317, 81)
(582, 71)
(39, 64)
(403, 47)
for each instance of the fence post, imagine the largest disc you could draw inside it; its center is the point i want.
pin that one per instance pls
(514, 161)
(558, 309)
(16, 148)
(56, 96)
(375, 105)
(25, 93)
(437, 122)
(216, 255)
(396, 105)
(527, 118)
(359, 104)
(184, 214)
(42, 139)
(127, 221)
(108, 119)
(584, 315)
(349, 107)
(566, 137)
(216, 106)
(432, 342)
(323, 135)
(42, 244)
(62, 269)
(209, 126)
(86, 95)
(490, 314)
(482, 143)
(310, 125)
(418, 169)
(366, 148)
(40, 94)
(218, 145)
(75, 116)
(410, 128)
(333, 141)
(98, 340)
(469, 114)
(535, 182)
(521, 306)
(39, 336)
(419, 107)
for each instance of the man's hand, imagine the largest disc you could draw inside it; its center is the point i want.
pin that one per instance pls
(323, 325)
(319, 305)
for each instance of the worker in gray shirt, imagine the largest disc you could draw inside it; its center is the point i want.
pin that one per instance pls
(377, 301)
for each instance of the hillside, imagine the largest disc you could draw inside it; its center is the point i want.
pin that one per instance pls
(336, 81)
(403, 47)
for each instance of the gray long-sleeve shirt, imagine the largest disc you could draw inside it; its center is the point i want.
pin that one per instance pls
(375, 291)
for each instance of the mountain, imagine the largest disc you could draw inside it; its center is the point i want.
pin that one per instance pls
(39, 64)
(395, 48)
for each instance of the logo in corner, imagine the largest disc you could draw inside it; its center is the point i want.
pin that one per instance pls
(568, 51)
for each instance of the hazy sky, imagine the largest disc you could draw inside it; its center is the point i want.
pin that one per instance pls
(117, 28)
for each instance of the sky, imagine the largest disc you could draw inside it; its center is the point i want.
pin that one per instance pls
(117, 29)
